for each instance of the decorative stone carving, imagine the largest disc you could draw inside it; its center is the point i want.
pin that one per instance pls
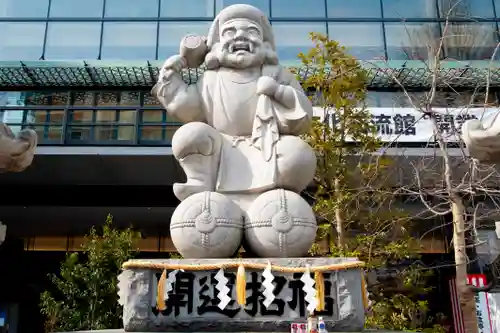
(482, 138)
(16, 151)
(192, 305)
(243, 118)
(207, 225)
(280, 224)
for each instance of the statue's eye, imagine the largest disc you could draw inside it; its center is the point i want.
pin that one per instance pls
(253, 32)
(230, 32)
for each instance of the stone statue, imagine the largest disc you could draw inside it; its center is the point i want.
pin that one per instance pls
(16, 152)
(241, 138)
(482, 138)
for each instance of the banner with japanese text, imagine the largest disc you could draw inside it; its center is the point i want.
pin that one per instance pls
(413, 126)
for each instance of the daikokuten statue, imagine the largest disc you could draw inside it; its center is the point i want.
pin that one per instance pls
(241, 140)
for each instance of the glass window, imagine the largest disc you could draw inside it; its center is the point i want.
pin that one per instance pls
(131, 8)
(410, 9)
(412, 41)
(171, 34)
(73, 40)
(469, 41)
(76, 8)
(261, 4)
(379, 99)
(466, 9)
(293, 38)
(189, 8)
(24, 8)
(21, 40)
(362, 40)
(129, 40)
(298, 8)
(113, 124)
(353, 8)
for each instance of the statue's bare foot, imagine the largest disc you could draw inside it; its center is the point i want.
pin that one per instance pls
(182, 191)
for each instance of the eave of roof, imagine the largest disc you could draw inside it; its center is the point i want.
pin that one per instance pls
(99, 74)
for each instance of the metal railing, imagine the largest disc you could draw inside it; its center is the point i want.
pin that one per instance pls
(90, 125)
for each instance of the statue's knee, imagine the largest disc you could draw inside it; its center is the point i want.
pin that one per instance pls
(297, 163)
(195, 138)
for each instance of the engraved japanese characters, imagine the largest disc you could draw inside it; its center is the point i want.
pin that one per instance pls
(241, 140)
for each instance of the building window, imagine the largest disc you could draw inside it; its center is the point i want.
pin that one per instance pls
(412, 41)
(24, 8)
(131, 8)
(129, 40)
(466, 9)
(76, 8)
(297, 8)
(469, 41)
(187, 8)
(362, 40)
(401, 9)
(293, 38)
(171, 34)
(21, 40)
(261, 4)
(73, 40)
(116, 124)
(353, 8)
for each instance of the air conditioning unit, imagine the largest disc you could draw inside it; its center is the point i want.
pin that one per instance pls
(3, 232)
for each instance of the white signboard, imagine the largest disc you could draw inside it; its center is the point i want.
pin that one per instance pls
(407, 125)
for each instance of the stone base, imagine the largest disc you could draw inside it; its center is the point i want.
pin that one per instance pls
(192, 303)
(123, 331)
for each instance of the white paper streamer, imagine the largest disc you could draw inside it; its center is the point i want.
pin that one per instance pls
(169, 283)
(310, 291)
(223, 294)
(123, 286)
(268, 291)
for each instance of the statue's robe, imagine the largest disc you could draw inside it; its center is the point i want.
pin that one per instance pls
(251, 125)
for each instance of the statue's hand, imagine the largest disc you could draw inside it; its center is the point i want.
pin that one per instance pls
(175, 63)
(267, 86)
(172, 65)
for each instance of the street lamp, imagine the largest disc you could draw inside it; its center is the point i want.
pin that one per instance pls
(3, 232)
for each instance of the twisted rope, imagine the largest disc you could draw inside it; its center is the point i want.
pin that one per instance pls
(236, 264)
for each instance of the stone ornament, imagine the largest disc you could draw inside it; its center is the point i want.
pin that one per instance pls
(482, 138)
(207, 225)
(280, 223)
(240, 140)
(242, 295)
(16, 151)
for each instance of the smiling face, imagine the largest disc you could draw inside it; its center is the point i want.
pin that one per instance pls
(241, 44)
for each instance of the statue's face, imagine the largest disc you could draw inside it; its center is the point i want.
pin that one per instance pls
(241, 44)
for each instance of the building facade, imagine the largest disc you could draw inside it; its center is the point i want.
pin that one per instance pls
(79, 73)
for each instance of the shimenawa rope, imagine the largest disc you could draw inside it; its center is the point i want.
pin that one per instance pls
(241, 280)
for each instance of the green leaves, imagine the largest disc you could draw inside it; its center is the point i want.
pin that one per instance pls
(85, 290)
(354, 199)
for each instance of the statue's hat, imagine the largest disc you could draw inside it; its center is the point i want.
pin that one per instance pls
(241, 11)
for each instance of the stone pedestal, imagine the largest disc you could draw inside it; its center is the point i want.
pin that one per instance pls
(192, 302)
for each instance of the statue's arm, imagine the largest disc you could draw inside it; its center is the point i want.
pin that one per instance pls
(181, 100)
(291, 95)
(291, 92)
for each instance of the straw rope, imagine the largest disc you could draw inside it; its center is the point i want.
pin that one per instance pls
(236, 264)
(240, 276)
